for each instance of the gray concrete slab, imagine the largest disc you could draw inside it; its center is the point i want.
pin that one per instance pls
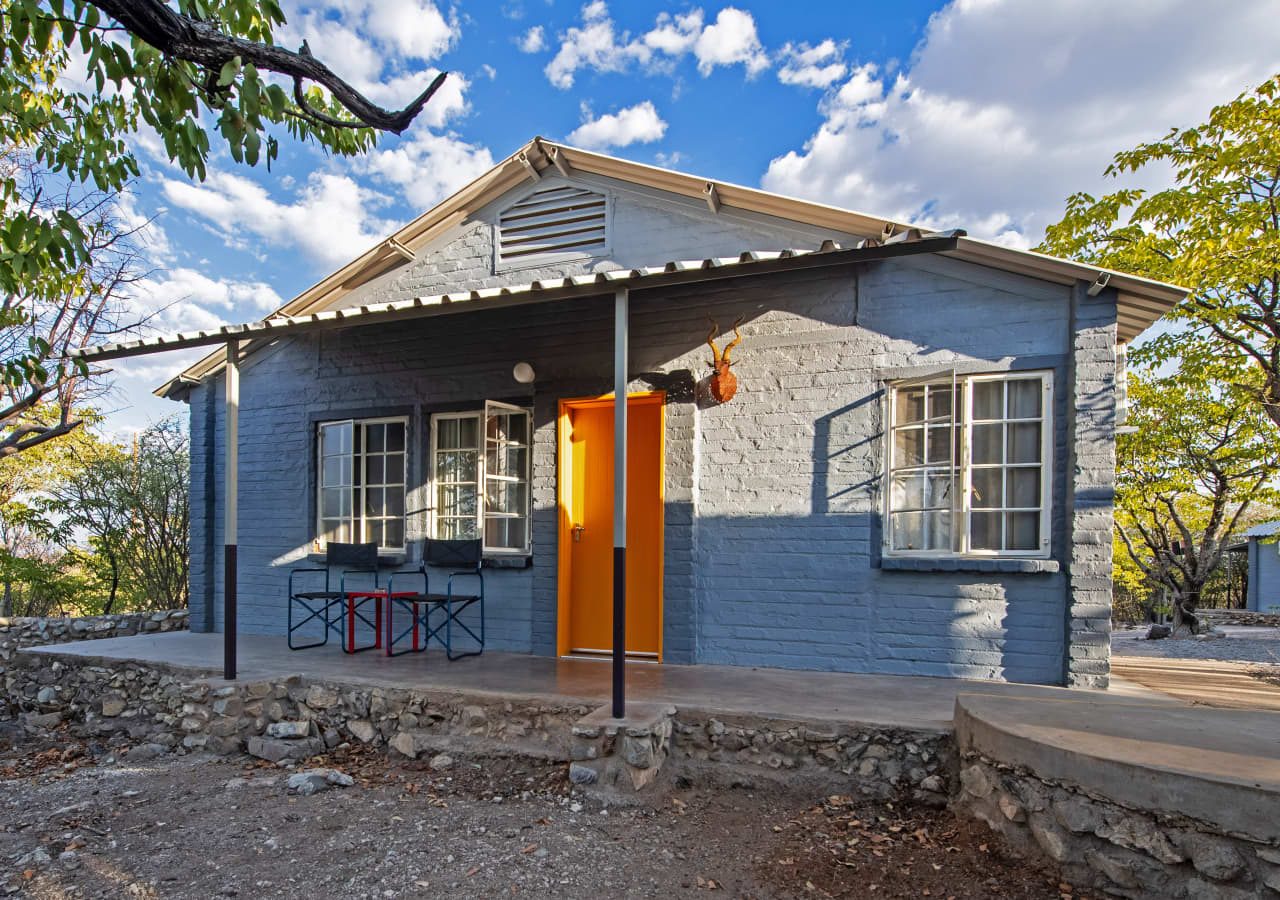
(1218, 765)
(885, 700)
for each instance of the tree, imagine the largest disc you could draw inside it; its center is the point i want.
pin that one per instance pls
(46, 322)
(1216, 230)
(80, 77)
(132, 506)
(1201, 456)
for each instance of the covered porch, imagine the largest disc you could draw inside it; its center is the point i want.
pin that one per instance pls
(786, 695)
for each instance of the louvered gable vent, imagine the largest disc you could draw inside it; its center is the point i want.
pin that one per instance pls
(554, 219)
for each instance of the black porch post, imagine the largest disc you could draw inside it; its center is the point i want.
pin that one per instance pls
(620, 316)
(230, 506)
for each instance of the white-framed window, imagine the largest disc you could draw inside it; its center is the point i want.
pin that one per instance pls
(480, 476)
(360, 483)
(970, 461)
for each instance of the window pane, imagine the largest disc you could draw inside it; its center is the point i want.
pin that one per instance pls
(505, 533)
(395, 468)
(988, 397)
(908, 531)
(455, 528)
(335, 439)
(376, 438)
(456, 465)
(506, 461)
(457, 500)
(986, 486)
(373, 502)
(373, 532)
(1024, 443)
(331, 503)
(986, 444)
(395, 436)
(393, 533)
(1022, 530)
(939, 444)
(938, 488)
(1024, 398)
(909, 447)
(504, 497)
(1024, 487)
(395, 501)
(940, 402)
(908, 491)
(374, 469)
(336, 471)
(938, 530)
(452, 434)
(909, 405)
(984, 531)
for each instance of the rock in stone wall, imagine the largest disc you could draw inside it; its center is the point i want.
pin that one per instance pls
(36, 631)
(1105, 846)
(1240, 617)
(877, 761)
(131, 702)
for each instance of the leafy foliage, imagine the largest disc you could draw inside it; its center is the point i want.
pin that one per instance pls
(1202, 456)
(81, 78)
(1216, 230)
(94, 526)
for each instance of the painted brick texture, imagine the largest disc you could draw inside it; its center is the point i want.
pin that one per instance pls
(773, 501)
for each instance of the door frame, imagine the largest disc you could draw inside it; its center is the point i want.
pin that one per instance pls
(564, 478)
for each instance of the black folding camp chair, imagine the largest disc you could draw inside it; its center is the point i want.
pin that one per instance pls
(436, 614)
(340, 561)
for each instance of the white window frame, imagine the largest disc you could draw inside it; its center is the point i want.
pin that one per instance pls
(961, 512)
(358, 491)
(482, 416)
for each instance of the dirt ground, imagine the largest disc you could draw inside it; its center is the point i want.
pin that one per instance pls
(80, 823)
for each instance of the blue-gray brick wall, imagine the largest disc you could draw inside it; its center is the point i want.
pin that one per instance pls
(1264, 576)
(772, 526)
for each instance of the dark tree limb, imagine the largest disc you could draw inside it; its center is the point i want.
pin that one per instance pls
(201, 43)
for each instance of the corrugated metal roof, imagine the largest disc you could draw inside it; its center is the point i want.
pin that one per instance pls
(671, 273)
(1265, 529)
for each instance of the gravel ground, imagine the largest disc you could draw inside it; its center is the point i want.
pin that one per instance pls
(77, 824)
(1241, 644)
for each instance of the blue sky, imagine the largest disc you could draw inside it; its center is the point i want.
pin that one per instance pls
(982, 114)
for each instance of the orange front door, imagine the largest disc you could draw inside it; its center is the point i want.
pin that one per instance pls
(586, 511)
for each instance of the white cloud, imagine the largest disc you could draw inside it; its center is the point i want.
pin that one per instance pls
(330, 219)
(818, 67)
(1008, 107)
(533, 40)
(639, 124)
(595, 45)
(598, 46)
(731, 40)
(428, 167)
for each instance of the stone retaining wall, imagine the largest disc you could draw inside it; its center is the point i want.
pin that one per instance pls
(35, 631)
(1241, 617)
(1102, 845)
(167, 709)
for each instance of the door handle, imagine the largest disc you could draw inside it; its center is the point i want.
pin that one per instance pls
(577, 532)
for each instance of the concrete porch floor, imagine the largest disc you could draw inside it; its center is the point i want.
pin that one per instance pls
(886, 700)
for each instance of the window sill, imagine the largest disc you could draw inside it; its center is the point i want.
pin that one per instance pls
(1005, 566)
(508, 562)
(384, 558)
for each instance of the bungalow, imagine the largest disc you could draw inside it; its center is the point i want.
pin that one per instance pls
(914, 475)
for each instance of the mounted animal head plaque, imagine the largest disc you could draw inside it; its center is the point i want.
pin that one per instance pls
(724, 384)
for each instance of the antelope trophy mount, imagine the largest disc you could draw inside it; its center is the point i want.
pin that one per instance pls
(724, 384)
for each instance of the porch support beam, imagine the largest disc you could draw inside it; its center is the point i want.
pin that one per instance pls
(621, 314)
(230, 506)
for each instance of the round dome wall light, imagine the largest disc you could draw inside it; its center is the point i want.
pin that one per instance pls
(523, 373)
